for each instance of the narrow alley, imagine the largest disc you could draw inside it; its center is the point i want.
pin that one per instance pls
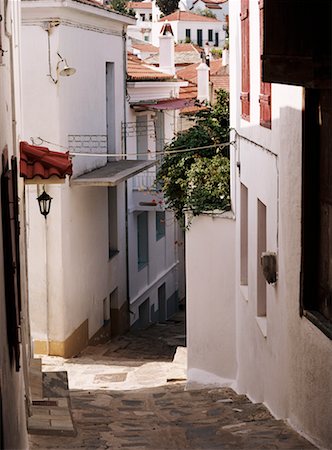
(130, 393)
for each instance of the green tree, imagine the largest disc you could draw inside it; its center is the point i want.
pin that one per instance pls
(199, 179)
(121, 7)
(167, 6)
(206, 12)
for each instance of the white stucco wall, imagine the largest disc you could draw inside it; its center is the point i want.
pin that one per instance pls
(13, 391)
(210, 276)
(79, 275)
(272, 366)
(179, 30)
(165, 255)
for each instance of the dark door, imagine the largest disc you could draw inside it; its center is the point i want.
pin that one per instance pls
(216, 39)
(200, 37)
(162, 302)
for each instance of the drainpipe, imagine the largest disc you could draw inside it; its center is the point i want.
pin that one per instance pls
(124, 41)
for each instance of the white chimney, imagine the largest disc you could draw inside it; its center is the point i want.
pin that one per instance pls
(166, 49)
(225, 57)
(203, 91)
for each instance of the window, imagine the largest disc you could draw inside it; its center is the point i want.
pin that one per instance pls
(160, 224)
(316, 297)
(200, 37)
(142, 240)
(244, 235)
(261, 248)
(290, 55)
(110, 108)
(142, 136)
(112, 222)
(265, 93)
(245, 93)
(188, 34)
(142, 17)
(210, 35)
(160, 131)
(216, 39)
(150, 17)
(11, 255)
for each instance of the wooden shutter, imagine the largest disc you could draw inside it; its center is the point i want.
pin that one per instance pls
(11, 255)
(298, 42)
(265, 88)
(245, 91)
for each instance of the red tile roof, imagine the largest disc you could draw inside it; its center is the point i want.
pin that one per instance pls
(41, 162)
(186, 16)
(217, 2)
(137, 70)
(147, 48)
(184, 48)
(139, 5)
(218, 74)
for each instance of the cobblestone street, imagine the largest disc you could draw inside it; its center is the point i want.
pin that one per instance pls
(130, 394)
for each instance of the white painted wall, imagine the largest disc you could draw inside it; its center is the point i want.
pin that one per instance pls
(273, 369)
(179, 31)
(220, 13)
(14, 432)
(78, 270)
(166, 263)
(210, 274)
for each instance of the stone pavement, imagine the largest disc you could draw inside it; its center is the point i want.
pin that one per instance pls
(129, 394)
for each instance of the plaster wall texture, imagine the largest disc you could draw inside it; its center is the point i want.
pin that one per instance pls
(293, 383)
(219, 13)
(179, 30)
(165, 256)
(79, 275)
(210, 250)
(13, 431)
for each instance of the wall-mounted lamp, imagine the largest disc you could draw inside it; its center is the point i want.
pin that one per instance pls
(44, 202)
(62, 69)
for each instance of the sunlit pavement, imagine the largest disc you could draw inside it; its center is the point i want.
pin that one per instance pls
(130, 394)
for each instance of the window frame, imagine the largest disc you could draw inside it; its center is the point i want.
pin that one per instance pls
(142, 240)
(160, 225)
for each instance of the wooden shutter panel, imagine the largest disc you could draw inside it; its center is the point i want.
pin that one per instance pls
(11, 254)
(245, 92)
(265, 88)
(298, 42)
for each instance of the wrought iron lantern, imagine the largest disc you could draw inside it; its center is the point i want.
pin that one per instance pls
(44, 202)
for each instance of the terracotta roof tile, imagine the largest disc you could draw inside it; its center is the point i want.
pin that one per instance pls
(139, 5)
(41, 162)
(137, 70)
(148, 48)
(186, 16)
(184, 48)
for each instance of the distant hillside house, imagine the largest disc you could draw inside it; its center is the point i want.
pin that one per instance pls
(191, 27)
(218, 7)
(146, 12)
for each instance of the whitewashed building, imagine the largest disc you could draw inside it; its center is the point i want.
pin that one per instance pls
(14, 330)
(156, 243)
(267, 325)
(77, 258)
(217, 7)
(191, 27)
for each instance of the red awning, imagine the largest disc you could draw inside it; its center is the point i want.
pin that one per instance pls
(40, 163)
(168, 104)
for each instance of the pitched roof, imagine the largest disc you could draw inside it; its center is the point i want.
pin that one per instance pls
(184, 48)
(139, 5)
(145, 47)
(186, 16)
(219, 78)
(41, 162)
(217, 71)
(137, 70)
